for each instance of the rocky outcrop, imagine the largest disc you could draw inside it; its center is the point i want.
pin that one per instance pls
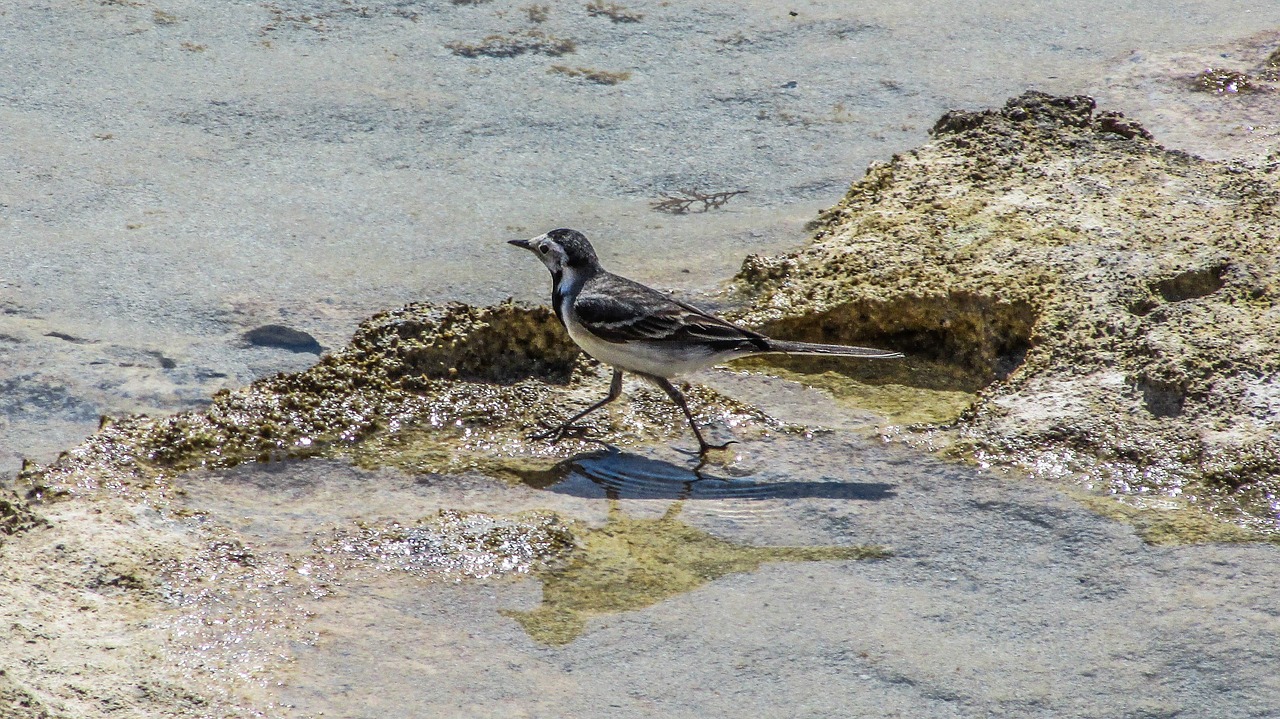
(1118, 299)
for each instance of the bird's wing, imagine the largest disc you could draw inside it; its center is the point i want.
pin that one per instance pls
(616, 309)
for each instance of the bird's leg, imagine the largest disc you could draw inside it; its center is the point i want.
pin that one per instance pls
(556, 434)
(678, 398)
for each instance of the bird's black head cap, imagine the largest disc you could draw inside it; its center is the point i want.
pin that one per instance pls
(563, 251)
(578, 251)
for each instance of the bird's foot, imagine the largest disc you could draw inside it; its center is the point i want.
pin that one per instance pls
(563, 431)
(704, 459)
(704, 447)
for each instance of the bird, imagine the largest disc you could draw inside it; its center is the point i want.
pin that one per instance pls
(637, 329)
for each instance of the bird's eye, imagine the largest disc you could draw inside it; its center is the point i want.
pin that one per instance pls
(544, 249)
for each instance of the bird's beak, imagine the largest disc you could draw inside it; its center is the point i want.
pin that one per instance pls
(520, 243)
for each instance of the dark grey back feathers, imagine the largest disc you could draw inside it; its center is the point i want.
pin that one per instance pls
(616, 309)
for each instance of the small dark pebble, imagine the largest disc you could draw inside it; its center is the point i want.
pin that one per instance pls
(284, 338)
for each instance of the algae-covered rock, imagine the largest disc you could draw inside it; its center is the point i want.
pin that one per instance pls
(424, 387)
(1119, 297)
(15, 514)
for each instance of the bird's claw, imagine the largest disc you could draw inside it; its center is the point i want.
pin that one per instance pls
(702, 450)
(563, 431)
(704, 460)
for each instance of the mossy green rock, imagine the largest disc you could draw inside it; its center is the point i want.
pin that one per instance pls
(424, 388)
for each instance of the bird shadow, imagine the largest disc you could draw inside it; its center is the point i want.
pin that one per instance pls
(614, 474)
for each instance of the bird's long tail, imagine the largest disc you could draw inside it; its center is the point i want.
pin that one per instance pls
(811, 348)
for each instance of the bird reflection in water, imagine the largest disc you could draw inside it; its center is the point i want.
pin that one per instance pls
(633, 562)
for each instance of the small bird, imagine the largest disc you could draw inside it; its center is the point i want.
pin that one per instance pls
(637, 329)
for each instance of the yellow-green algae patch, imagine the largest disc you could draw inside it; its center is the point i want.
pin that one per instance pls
(903, 395)
(633, 563)
(499, 449)
(1164, 521)
(424, 388)
(1118, 299)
